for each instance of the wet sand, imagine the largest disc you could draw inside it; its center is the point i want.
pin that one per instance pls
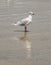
(18, 47)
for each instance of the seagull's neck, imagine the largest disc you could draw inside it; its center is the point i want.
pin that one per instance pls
(30, 16)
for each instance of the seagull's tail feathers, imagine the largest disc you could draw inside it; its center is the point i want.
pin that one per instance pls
(16, 24)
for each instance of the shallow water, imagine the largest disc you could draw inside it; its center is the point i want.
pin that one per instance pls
(25, 48)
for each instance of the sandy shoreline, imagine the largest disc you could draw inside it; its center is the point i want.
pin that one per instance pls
(32, 48)
(24, 62)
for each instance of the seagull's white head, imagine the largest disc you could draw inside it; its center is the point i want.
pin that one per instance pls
(31, 13)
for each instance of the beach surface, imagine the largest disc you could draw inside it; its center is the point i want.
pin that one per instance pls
(25, 48)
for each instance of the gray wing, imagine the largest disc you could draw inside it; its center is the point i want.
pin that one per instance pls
(24, 21)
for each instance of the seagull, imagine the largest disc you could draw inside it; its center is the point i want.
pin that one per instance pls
(26, 21)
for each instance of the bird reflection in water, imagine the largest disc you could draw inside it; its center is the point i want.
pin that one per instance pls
(27, 43)
(8, 1)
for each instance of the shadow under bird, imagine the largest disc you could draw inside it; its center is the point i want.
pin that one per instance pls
(26, 21)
